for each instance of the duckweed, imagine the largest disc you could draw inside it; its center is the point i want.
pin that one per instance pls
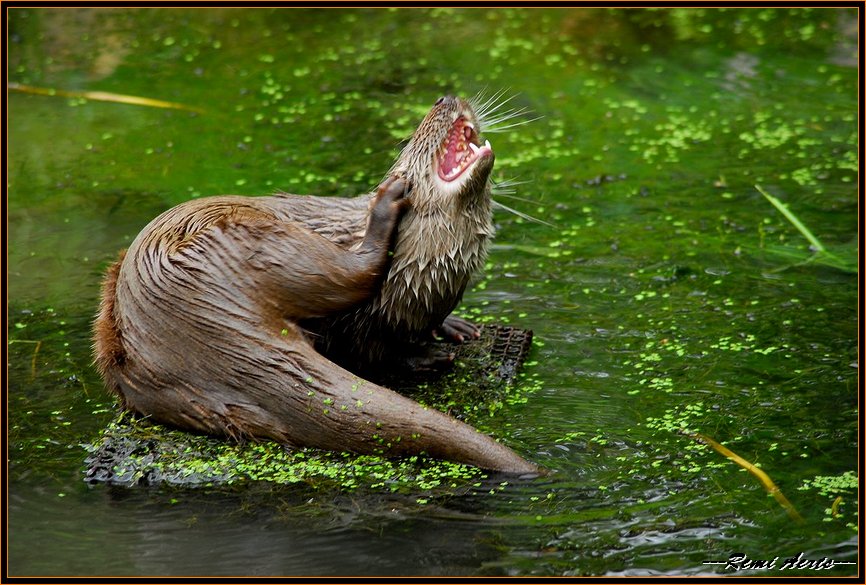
(158, 455)
(841, 490)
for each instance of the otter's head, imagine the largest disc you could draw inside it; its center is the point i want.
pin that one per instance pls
(445, 161)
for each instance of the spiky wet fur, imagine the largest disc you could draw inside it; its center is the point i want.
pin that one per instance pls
(441, 245)
(442, 241)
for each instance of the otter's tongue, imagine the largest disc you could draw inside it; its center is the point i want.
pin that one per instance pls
(460, 150)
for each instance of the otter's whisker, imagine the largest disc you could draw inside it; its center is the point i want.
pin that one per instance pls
(475, 101)
(493, 117)
(503, 116)
(495, 101)
(508, 195)
(494, 114)
(506, 186)
(521, 215)
(495, 129)
(483, 108)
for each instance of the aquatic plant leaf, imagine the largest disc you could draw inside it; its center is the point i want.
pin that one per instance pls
(841, 258)
(795, 221)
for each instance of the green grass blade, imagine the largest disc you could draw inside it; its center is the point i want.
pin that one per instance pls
(783, 209)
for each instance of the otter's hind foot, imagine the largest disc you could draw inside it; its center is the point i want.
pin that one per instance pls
(433, 359)
(457, 330)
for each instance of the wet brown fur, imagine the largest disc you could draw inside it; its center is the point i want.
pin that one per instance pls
(106, 331)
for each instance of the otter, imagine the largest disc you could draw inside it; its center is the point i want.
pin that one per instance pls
(254, 317)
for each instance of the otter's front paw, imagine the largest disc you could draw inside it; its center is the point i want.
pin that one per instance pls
(387, 208)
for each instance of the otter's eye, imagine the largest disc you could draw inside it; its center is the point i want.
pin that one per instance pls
(439, 101)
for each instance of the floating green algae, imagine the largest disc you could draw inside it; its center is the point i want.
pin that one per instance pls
(134, 451)
(842, 489)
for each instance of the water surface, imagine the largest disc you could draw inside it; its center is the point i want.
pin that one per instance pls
(669, 295)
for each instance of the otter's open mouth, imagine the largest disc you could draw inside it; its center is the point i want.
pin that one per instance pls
(460, 150)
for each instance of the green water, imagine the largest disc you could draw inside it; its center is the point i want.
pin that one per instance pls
(669, 294)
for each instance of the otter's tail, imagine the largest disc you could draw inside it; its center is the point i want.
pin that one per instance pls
(367, 418)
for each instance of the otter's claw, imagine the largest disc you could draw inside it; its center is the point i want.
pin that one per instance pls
(394, 188)
(457, 330)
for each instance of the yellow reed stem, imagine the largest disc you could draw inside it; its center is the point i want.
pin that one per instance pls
(101, 96)
(38, 344)
(762, 477)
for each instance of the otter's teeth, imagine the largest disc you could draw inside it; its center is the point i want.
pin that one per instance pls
(474, 148)
(487, 144)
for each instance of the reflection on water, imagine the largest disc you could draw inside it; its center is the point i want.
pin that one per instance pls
(292, 533)
(669, 294)
(281, 534)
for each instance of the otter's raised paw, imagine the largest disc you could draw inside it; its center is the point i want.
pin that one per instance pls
(390, 197)
(457, 330)
(386, 209)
